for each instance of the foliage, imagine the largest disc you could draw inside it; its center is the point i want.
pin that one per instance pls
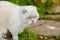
(21, 2)
(50, 18)
(58, 37)
(26, 35)
(57, 19)
(42, 7)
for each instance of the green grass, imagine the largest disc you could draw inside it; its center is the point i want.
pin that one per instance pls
(57, 19)
(26, 35)
(50, 18)
(42, 7)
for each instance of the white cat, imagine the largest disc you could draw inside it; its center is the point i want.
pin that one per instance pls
(16, 18)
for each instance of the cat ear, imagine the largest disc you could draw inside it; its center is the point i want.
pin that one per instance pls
(24, 11)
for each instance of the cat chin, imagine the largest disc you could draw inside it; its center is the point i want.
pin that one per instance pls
(31, 22)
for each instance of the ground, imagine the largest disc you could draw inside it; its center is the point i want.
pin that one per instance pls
(46, 27)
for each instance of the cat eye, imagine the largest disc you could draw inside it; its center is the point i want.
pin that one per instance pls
(24, 11)
(29, 17)
(34, 16)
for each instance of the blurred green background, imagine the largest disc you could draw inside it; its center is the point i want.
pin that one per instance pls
(43, 6)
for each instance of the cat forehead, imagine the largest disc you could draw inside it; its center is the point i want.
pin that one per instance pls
(30, 8)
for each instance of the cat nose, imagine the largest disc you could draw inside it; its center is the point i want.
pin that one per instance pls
(32, 21)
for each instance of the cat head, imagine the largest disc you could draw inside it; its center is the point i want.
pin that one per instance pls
(31, 14)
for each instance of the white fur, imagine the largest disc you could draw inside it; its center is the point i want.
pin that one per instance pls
(13, 19)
